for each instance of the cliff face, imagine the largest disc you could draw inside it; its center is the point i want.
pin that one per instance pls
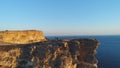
(21, 37)
(77, 53)
(72, 53)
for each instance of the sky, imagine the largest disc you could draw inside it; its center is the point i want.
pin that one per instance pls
(62, 17)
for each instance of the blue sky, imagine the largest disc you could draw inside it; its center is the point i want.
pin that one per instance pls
(62, 17)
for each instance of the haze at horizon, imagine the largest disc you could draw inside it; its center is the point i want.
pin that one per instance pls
(62, 17)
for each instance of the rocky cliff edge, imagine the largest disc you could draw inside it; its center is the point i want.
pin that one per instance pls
(21, 37)
(71, 53)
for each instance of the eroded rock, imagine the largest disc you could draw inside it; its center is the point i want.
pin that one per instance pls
(21, 37)
(76, 53)
(71, 53)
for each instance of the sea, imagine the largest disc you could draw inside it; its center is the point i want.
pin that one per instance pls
(108, 52)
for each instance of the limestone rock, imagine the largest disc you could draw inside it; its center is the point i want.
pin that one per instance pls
(30, 49)
(21, 37)
(74, 53)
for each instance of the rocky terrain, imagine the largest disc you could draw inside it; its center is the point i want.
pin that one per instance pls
(21, 37)
(69, 53)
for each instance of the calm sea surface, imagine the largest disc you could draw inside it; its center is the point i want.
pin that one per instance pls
(108, 53)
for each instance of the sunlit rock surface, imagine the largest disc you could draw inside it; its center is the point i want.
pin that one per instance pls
(21, 37)
(69, 53)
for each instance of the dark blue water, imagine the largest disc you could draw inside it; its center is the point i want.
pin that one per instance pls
(108, 53)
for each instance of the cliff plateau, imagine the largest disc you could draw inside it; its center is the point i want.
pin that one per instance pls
(64, 53)
(21, 37)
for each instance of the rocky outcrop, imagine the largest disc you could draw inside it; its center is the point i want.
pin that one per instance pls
(69, 53)
(75, 53)
(21, 37)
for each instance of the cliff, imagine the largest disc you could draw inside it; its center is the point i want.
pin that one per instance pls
(21, 37)
(70, 53)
